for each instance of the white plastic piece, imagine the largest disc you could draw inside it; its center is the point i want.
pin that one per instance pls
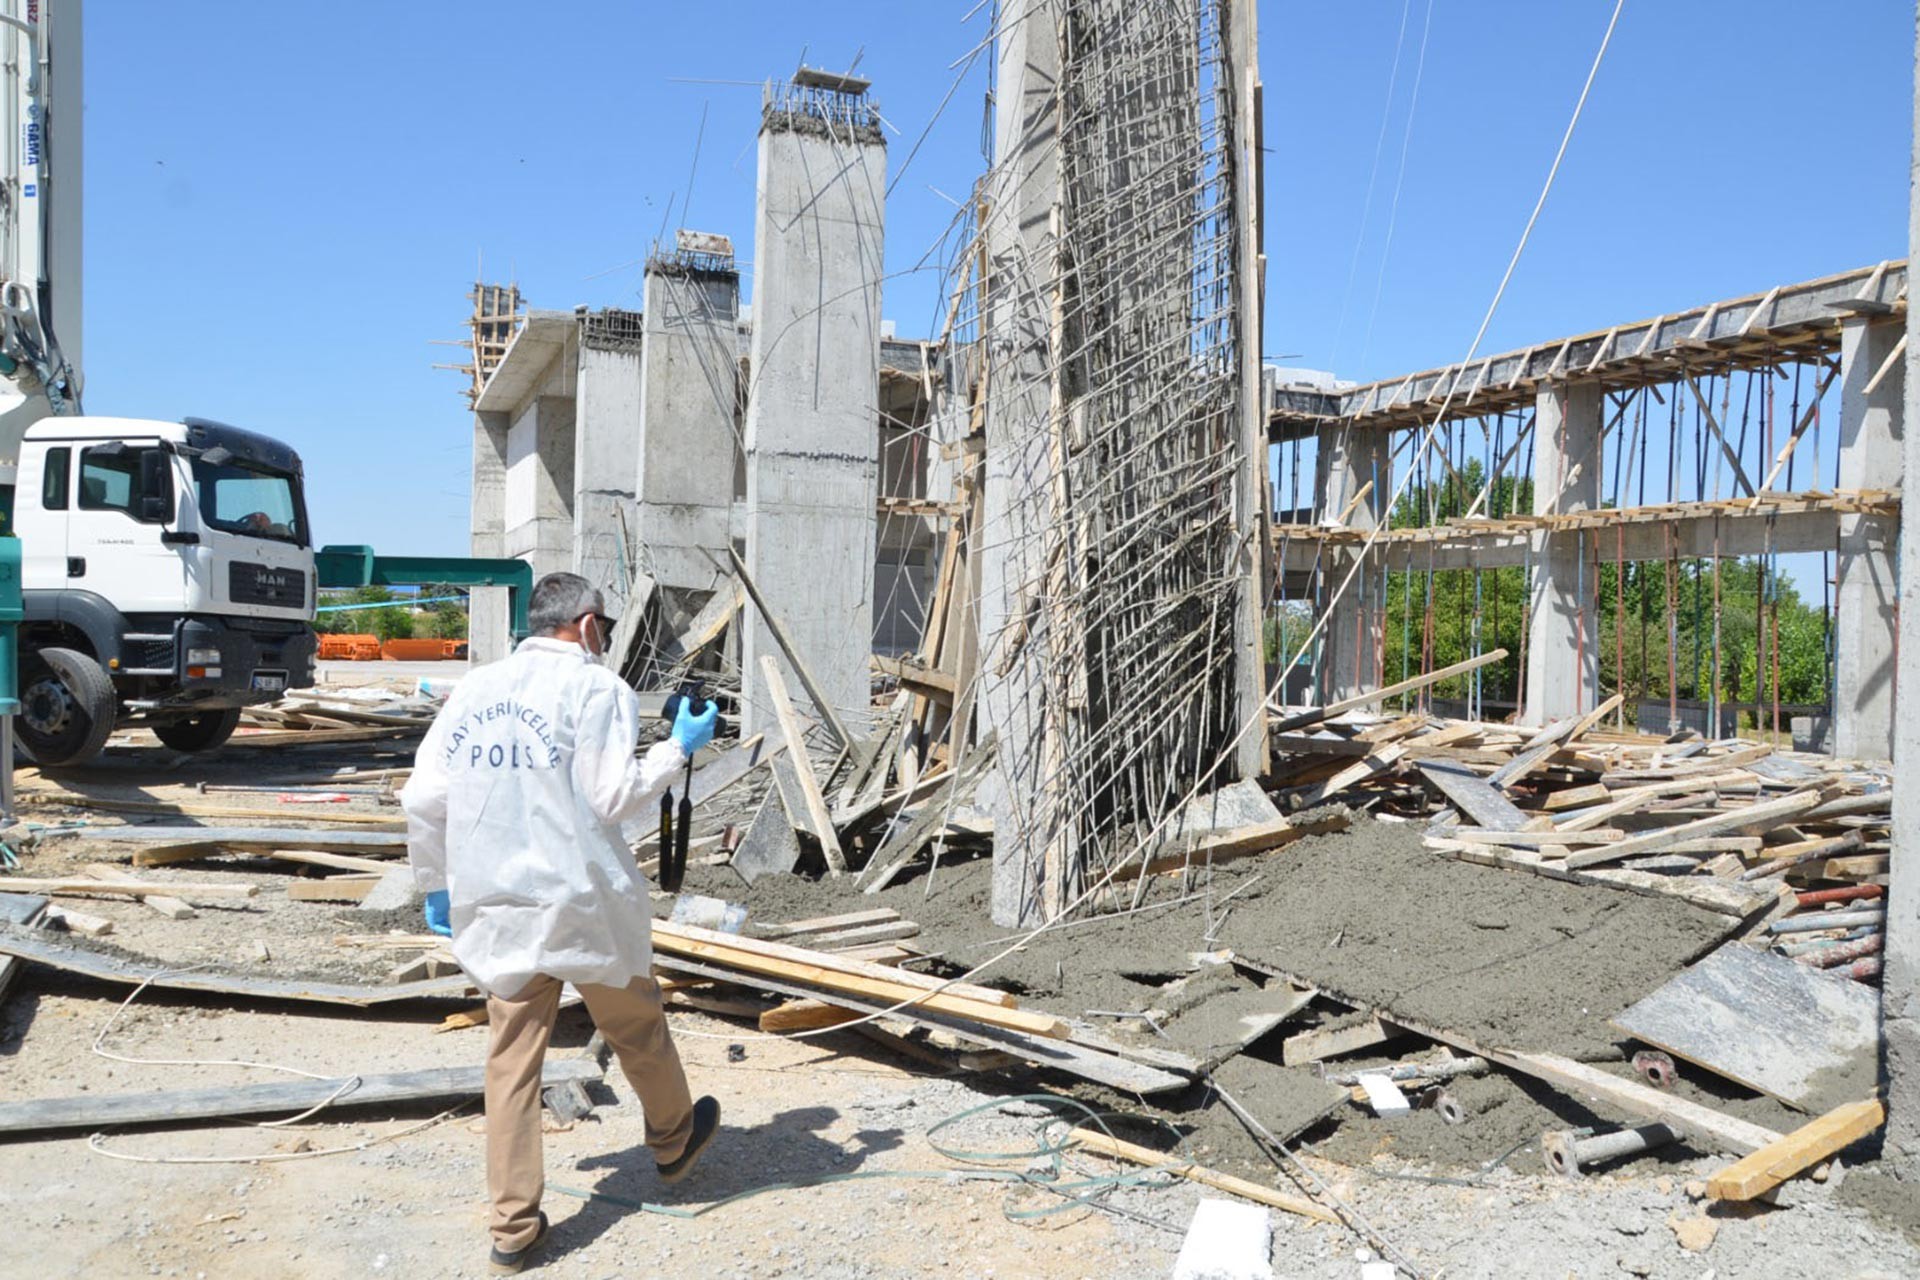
(1385, 1096)
(1377, 1271)
(1227, 1240)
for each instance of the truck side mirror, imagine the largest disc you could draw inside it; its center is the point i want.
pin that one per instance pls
(155, 505)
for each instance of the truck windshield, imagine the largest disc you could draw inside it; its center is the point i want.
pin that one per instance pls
(240, 499)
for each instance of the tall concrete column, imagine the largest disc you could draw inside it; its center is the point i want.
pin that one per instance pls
(606, 450)
(488, 615)
(812, 437)
(539, 497)
(1900, 978)
(1347, 462)
(1563, 638)
(689, 389)
(1866, 594)
(1009, 550)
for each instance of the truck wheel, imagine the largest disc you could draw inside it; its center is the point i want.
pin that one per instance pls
(67, 707)
(203, 732)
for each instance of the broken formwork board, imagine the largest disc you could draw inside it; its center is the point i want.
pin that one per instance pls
(95, 1111)
(37, 948)
(1706, 1127)
(1806, 1037)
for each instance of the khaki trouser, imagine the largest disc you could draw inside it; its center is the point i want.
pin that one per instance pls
(635, 1028)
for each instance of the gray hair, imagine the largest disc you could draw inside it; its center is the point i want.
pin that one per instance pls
(558, 601)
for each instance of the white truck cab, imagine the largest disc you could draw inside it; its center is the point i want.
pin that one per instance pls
(168, 580)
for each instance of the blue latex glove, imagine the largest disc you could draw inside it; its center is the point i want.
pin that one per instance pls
(694, 732)
(439, 913)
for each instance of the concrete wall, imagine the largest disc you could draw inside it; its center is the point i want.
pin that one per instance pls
(1346, 462)
(1563, 640)
(539, 489)
(688, 439)
(488, 617)
(811, 447)
(606, 443)
(1864, 605)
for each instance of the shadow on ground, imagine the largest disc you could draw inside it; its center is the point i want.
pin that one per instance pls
(787, 1149)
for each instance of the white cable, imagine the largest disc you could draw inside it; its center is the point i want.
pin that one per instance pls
(1373, 174)
(1393, 211)
(1426, 440)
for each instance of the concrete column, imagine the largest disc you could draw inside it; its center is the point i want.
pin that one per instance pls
(1563, 638)
(689, 389)
(1870, 431)
(539, 491)
(488, 617)
(1900, 978)
(606, 450)
(1347, 461)
(812, 441)
(1009, 549)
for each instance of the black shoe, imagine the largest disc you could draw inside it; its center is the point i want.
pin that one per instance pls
(706, 1122)
(503, 1263)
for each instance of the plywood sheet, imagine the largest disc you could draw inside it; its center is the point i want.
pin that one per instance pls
(1799, 1034)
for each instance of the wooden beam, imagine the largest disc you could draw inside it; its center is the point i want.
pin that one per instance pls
(94, 1111)
(1759, 1172)
(818, 818)
(1750, 819)
(1211, 848)
(1316, 715)
(1108, 1145)
(168, 905)
(1312, 1046)
(122, 888)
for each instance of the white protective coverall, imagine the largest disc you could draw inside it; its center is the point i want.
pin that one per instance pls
(514, 808)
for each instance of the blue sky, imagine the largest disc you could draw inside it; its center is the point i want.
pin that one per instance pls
(286, 203)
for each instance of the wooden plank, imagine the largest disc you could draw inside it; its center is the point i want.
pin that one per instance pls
(123, 888)
(819, 821)
(1759, 1172)
(1213, 848)
(347, 888)
(1546, 743)
(1710, 893)
(1751, 819)
(667, 937)
(826, 924)
(1471, 794)
(888, 931)
(305, 857)
(199, 838)
(186, 809)
(1577, 797)
(71, 958)
(733, 764)
(1856, 867)
(1377, 763)
(80, 922)
(900, 849)
(1634, 799)
(1320, 1043)
(1132, 1153)
(1760, 1020)
(1099, 1066)
(927, 681)
(168, 905)
(26, 911)
(805, 1015)
(1317, 714)
(769, 846)
(811, 968)
(97, 1111)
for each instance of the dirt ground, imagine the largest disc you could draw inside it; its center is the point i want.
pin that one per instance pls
(833, 1160)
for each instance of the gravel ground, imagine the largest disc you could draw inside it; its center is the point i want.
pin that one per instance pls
(411, 1202)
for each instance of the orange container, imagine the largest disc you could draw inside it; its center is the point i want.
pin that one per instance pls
(414, 650)
(349, 648)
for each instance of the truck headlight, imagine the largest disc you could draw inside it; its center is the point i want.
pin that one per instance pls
(203, 657)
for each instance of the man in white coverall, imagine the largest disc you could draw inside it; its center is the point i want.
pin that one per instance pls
(513, 829)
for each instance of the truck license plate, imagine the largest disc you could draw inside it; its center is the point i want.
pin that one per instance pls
(269, 681)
